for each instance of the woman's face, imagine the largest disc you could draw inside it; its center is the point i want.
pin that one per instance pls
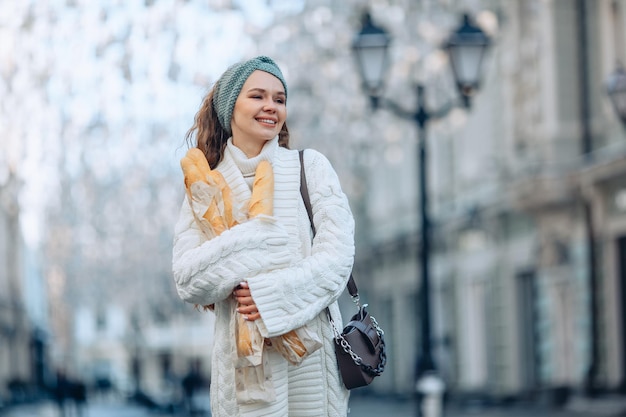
(260, 112)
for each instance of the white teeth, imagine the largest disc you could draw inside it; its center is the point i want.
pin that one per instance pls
(267, 121)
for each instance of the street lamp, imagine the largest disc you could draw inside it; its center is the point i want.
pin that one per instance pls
(370, 47)
(466, 48)
(616, 89)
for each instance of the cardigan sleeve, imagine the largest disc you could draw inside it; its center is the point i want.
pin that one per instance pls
(206, 272)
(288, 298)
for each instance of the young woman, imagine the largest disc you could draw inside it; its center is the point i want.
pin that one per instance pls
(269, 269)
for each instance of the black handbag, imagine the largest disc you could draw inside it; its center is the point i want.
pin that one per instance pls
(360, 346)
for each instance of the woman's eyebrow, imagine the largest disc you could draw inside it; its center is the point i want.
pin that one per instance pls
(262, 90)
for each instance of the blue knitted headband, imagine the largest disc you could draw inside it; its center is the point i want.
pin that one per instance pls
(229, 86)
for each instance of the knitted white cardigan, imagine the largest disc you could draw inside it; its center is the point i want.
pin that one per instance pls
(291, 282)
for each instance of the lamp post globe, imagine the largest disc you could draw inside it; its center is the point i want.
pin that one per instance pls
(616, 89)
(466, 48)
(370, 47)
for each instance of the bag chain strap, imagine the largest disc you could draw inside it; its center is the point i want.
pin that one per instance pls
(340, 340)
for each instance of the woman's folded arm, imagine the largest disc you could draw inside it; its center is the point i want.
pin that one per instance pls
(207, 271)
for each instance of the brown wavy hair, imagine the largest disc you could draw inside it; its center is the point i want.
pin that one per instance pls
(211, 138)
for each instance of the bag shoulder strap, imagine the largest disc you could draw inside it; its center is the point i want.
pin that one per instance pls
(304, 190)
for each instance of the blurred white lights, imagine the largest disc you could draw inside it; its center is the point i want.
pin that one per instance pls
(472, 240)
(394, 154)
(488, 22)
(436, 62)
(86, 84)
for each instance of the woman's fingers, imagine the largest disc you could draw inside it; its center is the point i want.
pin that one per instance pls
(247, 307)
(249, 312)
(253, 316)
(245, 301)
(242, 290)
(242, 293)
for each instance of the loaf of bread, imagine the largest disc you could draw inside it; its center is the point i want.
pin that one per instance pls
(229, 212)
(215, 178)
(244, 337)
(262, 199)
(195, 169)
(262, 203)
(200, 161)
(191, 172)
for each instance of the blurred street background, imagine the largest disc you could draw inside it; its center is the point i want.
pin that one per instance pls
(360, 407)
(481, 143)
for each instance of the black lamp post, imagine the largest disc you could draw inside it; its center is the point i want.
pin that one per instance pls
(466, 47)
(616, 89)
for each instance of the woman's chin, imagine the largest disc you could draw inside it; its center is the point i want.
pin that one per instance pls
(268, 135)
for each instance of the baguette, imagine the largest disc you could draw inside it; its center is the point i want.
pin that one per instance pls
(191, 172)
(214, 177)
(212, 214)
(262, 203)
(229, 216)
(200, 161)
(244, 338)
(262, 199)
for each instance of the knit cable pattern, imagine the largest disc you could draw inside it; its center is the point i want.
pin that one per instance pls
(207, 271)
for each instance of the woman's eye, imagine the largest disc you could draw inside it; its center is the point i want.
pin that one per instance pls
(280, 100)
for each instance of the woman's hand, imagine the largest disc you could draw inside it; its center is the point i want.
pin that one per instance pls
(247, 307)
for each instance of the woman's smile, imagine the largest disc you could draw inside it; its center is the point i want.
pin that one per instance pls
(267, 121)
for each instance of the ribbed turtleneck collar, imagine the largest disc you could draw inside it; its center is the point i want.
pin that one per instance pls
(246, 165)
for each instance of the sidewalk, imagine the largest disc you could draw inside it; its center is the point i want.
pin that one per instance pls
(614, 406)
(364, 406)
(91, 409)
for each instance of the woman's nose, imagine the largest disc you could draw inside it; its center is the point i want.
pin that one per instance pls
(269, 105)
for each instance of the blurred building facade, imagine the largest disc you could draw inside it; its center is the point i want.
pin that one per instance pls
(120, 350)
(22, 336)
(14, 330)
(529, 217)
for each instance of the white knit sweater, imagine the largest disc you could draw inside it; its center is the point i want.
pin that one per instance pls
(291, 281)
